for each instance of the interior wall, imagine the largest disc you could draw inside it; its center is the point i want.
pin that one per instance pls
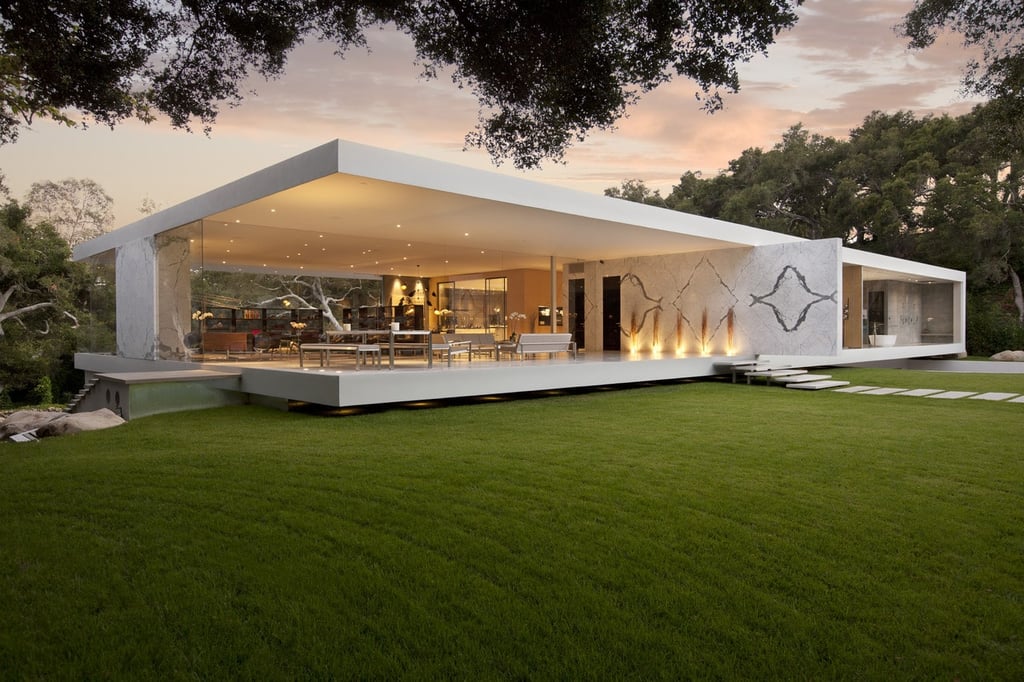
(526, 291)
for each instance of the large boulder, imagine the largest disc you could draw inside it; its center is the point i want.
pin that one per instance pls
(26, 420)
(1009, 356)
(78, 422)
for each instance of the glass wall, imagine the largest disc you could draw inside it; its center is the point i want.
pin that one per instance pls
(274, 310)
(473, 305)
(906, 313)
(98, 329)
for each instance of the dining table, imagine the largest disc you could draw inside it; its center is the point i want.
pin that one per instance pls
(364, 336)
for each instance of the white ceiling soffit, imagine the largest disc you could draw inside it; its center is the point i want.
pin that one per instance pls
(348, 208)
(347, 223)
(878, 267)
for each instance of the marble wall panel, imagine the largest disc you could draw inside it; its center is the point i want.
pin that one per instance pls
(778, 299)
(135, 265)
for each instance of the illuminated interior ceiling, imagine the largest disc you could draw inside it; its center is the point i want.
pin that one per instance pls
(869, 274)
(345, 224)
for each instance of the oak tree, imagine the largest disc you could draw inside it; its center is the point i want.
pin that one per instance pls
(79, 209)
(545, 72)
(994, 26)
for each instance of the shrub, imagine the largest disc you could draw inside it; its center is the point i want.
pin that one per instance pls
(991, 328)
(42, 392)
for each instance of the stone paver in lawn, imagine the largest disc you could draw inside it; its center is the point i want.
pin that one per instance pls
(993, 396)
(951, 395)
(883, 391)
(1017, 400)
(921, 392)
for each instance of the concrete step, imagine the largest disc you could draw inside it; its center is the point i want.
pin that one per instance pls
(801, 378)
(89, 385)
(818, 385)
(770, 374)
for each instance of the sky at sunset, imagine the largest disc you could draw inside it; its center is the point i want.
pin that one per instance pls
(842, 61)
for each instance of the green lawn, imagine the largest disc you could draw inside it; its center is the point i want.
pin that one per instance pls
(690, 530)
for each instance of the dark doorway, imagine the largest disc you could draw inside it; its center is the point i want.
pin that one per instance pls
(876, 313)
(611, 302)
(577, 306)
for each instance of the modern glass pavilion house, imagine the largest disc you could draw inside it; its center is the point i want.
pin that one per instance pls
(349, 235)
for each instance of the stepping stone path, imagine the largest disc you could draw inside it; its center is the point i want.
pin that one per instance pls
(801, 379)
(816, 382)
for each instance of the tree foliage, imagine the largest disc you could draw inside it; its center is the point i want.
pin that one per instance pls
(43, 298)
(996, 26)
(942, 190)
(545, 72)
(79, 209)
(638, 191)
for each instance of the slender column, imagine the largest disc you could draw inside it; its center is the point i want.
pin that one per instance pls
(554, 295)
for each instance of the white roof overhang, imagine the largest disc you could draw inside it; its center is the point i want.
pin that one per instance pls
(347, 208)
(878, 267)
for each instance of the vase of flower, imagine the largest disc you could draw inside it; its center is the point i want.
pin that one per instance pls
(514, 319)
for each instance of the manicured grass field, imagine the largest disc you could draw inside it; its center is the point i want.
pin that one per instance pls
(699, 530)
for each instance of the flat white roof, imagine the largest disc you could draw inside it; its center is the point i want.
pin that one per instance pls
(350, 208)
